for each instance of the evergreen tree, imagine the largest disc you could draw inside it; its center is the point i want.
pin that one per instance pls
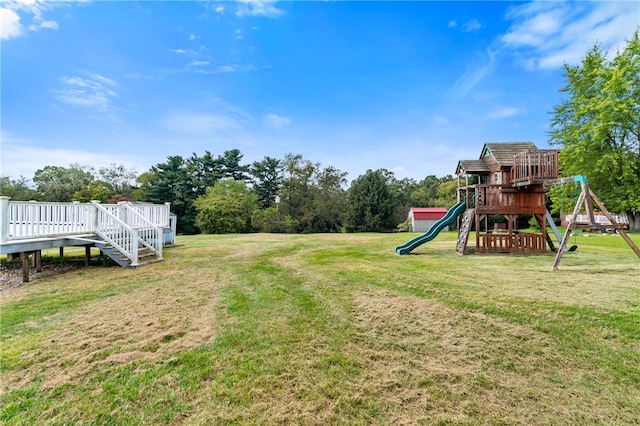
(370, 203)
(267, 180)
(231, 166)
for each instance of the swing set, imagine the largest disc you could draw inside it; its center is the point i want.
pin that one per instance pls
(586, 199)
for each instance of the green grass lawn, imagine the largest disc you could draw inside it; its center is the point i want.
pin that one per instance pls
(328, 329)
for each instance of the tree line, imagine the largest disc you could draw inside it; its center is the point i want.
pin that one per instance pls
(597, 127)
(222, 194)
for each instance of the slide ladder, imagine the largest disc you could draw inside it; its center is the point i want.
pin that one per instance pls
(435, 229)
(463, 234)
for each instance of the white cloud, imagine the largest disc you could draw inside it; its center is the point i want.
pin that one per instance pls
(258, 8)
(428, 158)
(219, 9)
(503, 112)
(550, 34)
(198, 63)
(239, 35)
(13, 11)
(472, 25)
(21, 158)
(91, 91)
(202, 124)
(473, 75)
(453, 23)
(37, 25)
(234, 68)
(276, 121)
(9, 24)
(193, 37)
(438, 119)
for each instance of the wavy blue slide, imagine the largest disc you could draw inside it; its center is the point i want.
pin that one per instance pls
(433, 232)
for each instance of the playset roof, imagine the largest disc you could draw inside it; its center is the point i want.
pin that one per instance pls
(502, 152)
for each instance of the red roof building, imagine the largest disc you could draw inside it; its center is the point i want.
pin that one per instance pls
(422, 218)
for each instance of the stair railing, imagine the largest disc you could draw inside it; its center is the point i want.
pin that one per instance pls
(149, 235)
(117, 233)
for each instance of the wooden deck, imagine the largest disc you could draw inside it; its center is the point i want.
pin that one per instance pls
(127, 232)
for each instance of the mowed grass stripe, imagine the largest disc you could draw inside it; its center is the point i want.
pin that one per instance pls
(331, 329)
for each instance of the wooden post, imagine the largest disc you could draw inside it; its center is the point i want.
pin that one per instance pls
(24, 256)
(37, 257)
(61, 251)
(567, 234)
(87, 255)
(588, 203)
(616, 224)
(478, 219)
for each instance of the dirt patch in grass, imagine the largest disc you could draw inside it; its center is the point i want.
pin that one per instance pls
(148, 323)
(460, 366)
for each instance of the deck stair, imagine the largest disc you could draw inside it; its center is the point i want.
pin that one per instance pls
(128, 237)
(463, 233)
(145, 255)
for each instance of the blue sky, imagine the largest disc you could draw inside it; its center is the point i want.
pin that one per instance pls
(411, 87)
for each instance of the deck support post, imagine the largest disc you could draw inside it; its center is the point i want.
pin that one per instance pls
(37, 259)
(24, 257)
(87, 255)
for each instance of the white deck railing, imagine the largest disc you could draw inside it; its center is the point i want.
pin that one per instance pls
(28, 220)
(128, 231)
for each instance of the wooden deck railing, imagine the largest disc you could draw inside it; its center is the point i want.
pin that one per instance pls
(534, 166)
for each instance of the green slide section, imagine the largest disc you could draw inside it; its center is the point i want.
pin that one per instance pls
(435, 229)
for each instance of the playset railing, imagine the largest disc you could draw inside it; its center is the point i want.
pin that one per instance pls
(511, 243)
(500, 199)
(534, 166)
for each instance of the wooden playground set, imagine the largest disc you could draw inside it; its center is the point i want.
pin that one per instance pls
(510, 179)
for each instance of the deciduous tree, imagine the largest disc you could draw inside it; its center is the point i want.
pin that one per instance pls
(227, 207)
(55, 183)
(18, 189)
(598, 126)
(119, 178)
